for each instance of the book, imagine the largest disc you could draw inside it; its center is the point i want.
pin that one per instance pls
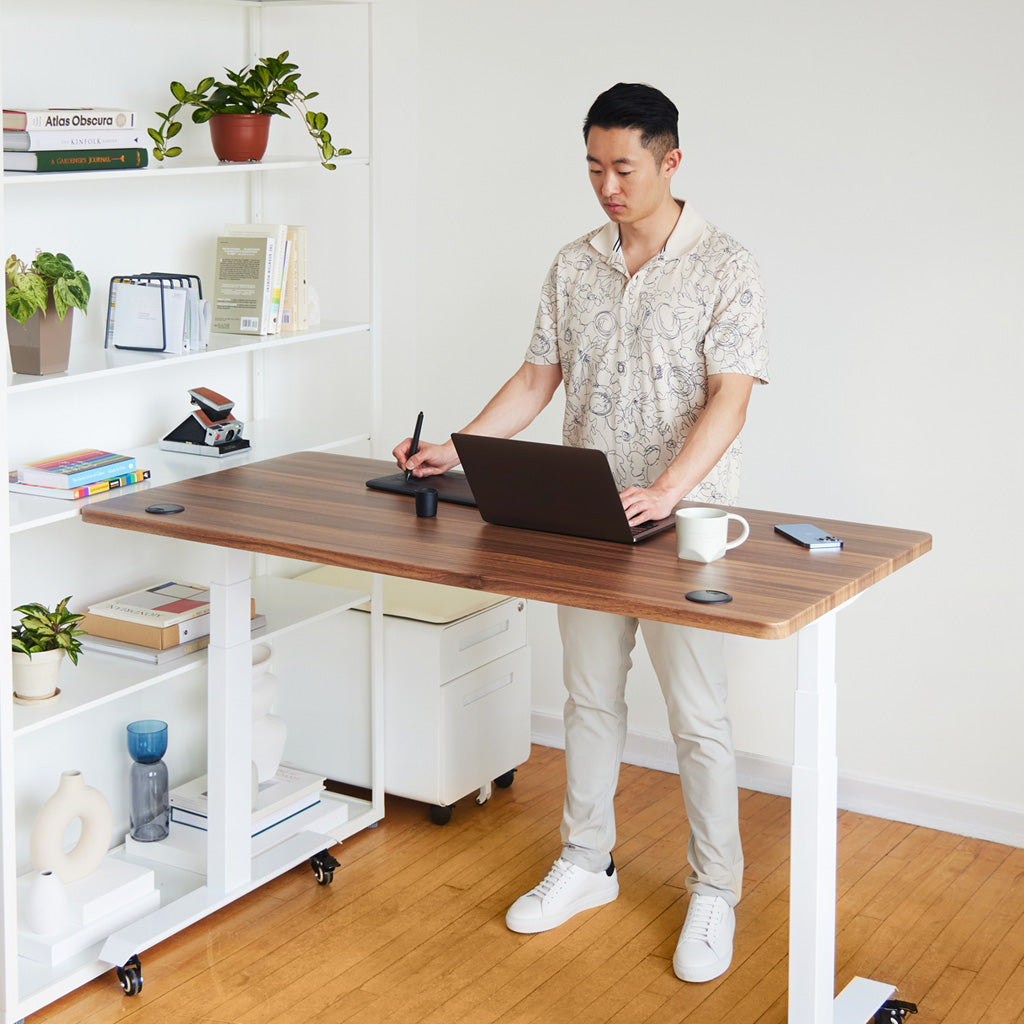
(279, 234)
(154, 655)
(288, 786)
(74, 493)
(164, 604)
(193, 819)
(243, 285)
(295, 300)
(76, 469)
(62, 118)
(77, 160)
(157, 637)
(83, 138)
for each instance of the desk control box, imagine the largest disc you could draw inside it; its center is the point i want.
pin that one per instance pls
(456, 689)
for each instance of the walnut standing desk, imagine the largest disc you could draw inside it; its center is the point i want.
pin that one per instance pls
(314, 506)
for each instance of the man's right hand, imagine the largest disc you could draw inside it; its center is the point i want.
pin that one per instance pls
(429, 460)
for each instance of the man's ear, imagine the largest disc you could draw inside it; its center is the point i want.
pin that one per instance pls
(672, 162)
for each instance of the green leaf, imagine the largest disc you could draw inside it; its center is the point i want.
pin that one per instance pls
(205, 85)
(173, 151)
(61, 298)
(178, 91)
(319, 121)
(173, 128)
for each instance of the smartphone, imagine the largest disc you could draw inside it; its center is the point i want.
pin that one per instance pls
(810, 536)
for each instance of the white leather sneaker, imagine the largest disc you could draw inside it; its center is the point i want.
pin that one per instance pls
(565, 891)
(704, 950)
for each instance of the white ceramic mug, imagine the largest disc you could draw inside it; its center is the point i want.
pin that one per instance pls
(702, 533)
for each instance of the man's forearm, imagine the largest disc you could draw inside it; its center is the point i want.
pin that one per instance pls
(518, 402)
(717, 427)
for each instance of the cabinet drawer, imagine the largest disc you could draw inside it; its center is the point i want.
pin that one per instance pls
(485, 728)
(478, 639)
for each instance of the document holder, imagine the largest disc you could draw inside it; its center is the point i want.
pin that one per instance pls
(156, 312)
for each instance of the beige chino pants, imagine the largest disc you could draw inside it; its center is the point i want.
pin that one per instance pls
(690, 666)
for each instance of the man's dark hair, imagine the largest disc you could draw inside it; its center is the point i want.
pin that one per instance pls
(632, 105)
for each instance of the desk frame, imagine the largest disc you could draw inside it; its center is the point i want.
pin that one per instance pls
(314, 506)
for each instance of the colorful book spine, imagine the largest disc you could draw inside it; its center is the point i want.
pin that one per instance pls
(76, 469)
(74, 493)
(77, 160)
(62, 118)
(102, 138)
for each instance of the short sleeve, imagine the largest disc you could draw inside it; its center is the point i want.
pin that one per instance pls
(736, 341)
(544, 343)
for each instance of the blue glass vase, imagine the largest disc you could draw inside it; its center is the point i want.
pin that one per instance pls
(149, 797)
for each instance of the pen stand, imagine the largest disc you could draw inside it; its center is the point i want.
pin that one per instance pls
(211, 429)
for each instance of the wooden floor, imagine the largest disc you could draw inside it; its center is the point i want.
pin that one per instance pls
(412, 928)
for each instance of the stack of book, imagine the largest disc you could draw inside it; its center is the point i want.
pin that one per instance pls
(260, 282)
(76, 474)
(157, 624)
(73, 139)
(290, 792)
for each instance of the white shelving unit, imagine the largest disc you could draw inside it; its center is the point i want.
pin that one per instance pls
(317, 389)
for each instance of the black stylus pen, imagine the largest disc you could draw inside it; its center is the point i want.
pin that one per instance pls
(415, 446)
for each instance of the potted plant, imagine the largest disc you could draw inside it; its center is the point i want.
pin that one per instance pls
(239, 112)
(38, 644)
(39, 296)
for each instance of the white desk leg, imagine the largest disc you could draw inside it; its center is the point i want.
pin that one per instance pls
(812, 880)
(229, 725)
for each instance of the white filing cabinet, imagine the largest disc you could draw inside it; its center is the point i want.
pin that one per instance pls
(456, 689)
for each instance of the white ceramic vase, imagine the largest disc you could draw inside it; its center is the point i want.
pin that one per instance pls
(269, 732)
(72, 799)
(46, 907)
(36, 678)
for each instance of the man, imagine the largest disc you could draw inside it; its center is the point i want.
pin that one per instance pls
(654, 326)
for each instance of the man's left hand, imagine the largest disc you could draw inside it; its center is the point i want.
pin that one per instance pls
(645, 503)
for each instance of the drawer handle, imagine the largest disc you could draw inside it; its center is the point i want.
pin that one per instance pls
(484, 634)
(486, 691)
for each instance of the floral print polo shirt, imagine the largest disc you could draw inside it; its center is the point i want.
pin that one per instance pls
(636, 352)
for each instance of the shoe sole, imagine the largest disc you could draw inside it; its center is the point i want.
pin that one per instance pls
(708, 973)
(546, 924)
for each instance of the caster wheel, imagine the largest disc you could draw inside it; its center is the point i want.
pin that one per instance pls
(440, 815)
(130, 977)
(506, 780)
(323, 865)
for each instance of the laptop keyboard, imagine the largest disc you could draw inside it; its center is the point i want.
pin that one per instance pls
(641, 528)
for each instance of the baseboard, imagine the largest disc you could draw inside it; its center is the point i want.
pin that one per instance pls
(991, 822)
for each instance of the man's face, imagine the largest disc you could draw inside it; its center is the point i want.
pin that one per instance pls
(629, 183)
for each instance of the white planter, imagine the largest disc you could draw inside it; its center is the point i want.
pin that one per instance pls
(46, 906)
(35, 678)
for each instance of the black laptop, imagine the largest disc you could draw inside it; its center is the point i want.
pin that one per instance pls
(548, 487)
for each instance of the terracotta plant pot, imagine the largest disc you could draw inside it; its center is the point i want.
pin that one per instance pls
(43, 344)
(240, 138)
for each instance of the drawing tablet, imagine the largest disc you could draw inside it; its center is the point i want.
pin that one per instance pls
(451, 487)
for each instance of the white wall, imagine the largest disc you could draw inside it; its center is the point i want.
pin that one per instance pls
(870, 155)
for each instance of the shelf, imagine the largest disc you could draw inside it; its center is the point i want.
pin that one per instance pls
(175, 168)
(39, 984)
(269, 439)
(88, 363)
(101, 678)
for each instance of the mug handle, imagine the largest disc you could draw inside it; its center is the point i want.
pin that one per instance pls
(743, 536)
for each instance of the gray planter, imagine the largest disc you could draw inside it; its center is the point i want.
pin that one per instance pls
(43, 344)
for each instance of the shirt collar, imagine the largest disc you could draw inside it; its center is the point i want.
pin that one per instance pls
(685, 235)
